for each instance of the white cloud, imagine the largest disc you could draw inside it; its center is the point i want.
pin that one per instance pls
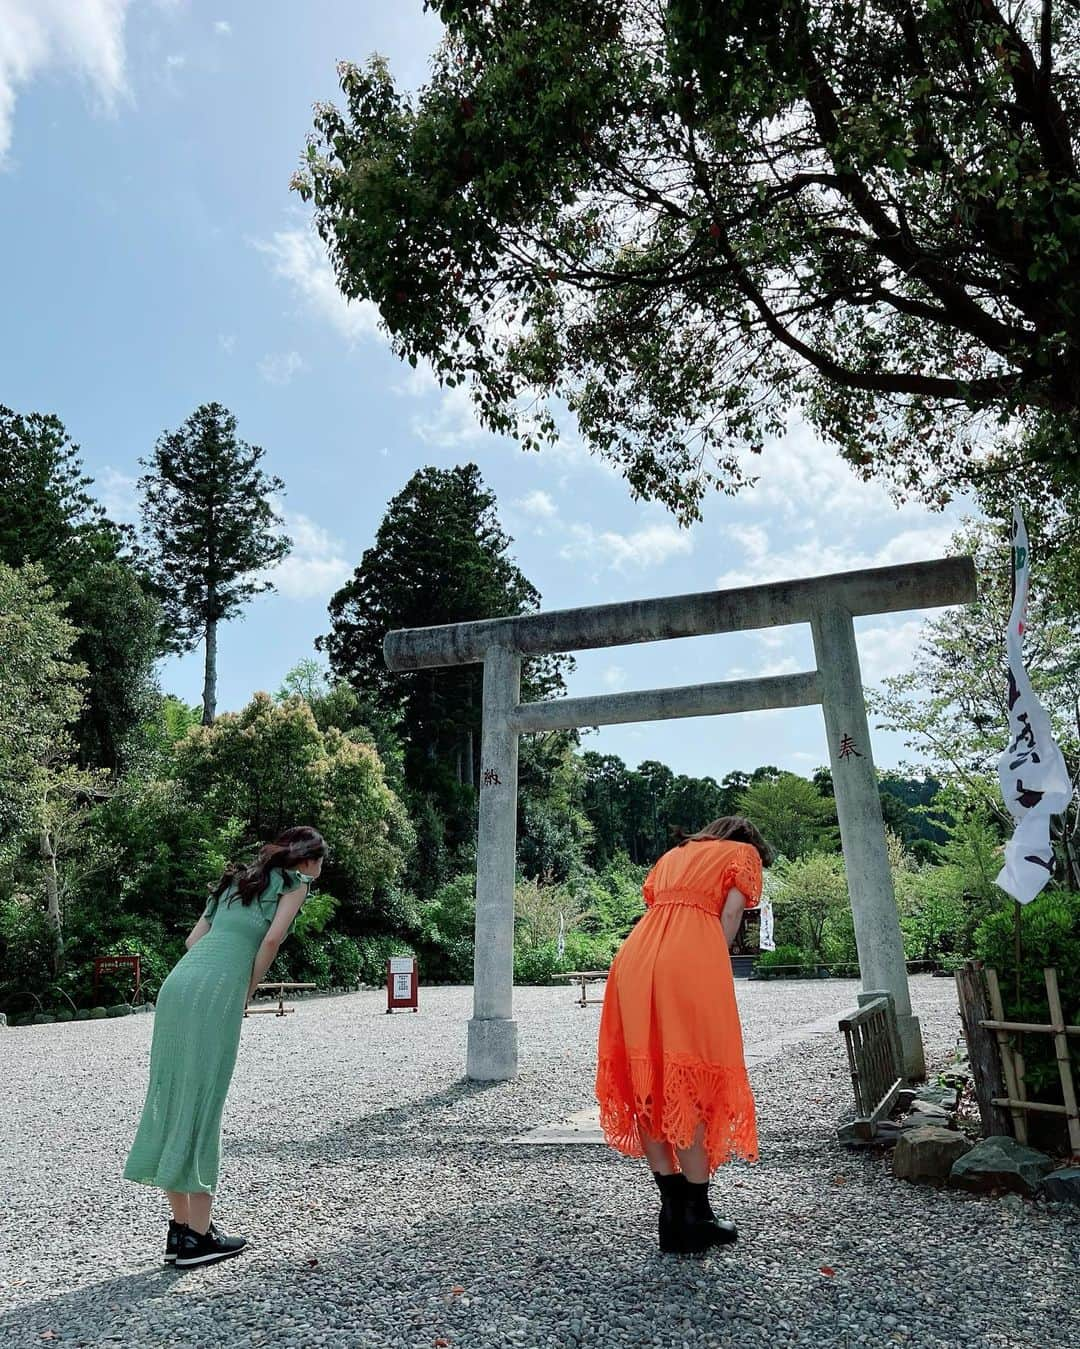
(813, 557)
(86, 36)
(886, 648)
(452, 424)
(227, 343)
(223, 26)
(615, 678)
(538, 504)
(177, 61)
(280, 368)
(316, 566)
(118, 493)
(297, 257)
(645, 547)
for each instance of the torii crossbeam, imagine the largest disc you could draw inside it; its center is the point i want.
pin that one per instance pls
(828, 603)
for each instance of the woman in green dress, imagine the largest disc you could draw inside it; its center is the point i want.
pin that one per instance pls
(197, 1022)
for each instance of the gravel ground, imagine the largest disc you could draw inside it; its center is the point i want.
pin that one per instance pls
(387, 1205)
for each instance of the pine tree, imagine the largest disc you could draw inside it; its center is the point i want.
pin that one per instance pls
(209, 530)
(49, 517)
(440, 556)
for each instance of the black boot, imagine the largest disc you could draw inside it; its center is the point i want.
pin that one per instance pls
(703, 1228)
(672, 1210)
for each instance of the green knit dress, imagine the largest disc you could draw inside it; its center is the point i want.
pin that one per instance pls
(197, 1022)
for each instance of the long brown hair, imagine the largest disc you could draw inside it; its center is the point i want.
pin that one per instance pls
(299, 844)
(732, 829)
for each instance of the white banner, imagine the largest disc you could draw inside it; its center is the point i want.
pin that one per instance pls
(1034, 780)
(765, 931)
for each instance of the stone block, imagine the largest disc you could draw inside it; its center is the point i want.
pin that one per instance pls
(920, 1121)
(885, 1135)
(929, 1153)
(1001, 1163)
(930, 1110)
(947, 1097)
(1063, 1186)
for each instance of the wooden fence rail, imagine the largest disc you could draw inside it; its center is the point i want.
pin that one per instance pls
(874, 1056)
(979, 993)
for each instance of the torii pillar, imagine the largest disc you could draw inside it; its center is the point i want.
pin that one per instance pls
(828, 603)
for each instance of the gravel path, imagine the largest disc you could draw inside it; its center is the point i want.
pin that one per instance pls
(387, 1206)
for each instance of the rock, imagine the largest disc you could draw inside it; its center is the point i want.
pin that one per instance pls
(1001, 1163)
(98, 1013)
(929, 1109)
(885, 1135)
(919, 1121)
(929, 1153)
(1063, 1185)
(904, 1098)
(947, 1097)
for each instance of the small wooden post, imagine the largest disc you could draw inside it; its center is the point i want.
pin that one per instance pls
(982, 1048)
(1061, 1047)
(1013, 1080)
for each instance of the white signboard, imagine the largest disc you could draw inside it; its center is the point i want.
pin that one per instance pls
(402, 964)
(402, 985)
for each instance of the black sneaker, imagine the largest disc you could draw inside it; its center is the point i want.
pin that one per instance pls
(196, 1249)
(172, 1241)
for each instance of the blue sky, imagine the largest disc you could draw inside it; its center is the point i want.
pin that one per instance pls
(155, 260)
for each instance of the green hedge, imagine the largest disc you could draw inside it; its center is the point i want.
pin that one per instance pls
(1050, 937)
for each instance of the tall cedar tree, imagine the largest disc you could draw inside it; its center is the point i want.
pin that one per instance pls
(687, 221)
(440, 556)
(209, 530)
(48, 516)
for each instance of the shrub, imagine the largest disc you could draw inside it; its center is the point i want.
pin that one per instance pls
(65, 1014)
(119, 1009)
(808, 895)
(346, 959)
(769, 963)
(83, 1014)
(536, 964)
(375, 951)
(98, 1014)
(446, 931)
(586, 951)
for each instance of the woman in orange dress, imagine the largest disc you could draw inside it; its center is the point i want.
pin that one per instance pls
(671, 1079)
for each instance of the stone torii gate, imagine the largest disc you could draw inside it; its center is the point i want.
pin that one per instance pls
(827, 603)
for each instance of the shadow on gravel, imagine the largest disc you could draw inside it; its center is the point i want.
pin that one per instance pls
(426, 1125)
(106, 1302)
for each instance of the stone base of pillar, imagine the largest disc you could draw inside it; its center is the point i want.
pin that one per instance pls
(492, 1053)
(911, 1047)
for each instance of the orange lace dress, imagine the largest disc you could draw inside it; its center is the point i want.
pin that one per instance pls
(671, 1051)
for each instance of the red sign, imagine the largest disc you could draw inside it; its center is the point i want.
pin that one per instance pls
(402, 984)
(116, 965)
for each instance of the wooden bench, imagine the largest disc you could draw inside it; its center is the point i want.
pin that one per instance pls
(280, 1009)
(584, 977)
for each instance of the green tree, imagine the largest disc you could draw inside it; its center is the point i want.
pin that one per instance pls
(47, 515)
(792, 814)
(809, 892)
(40, 697)
(951, 706)
(336, 703)
(209, 530)
(269, 767)
(683, 220)
(119, 642)
(440, 556)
